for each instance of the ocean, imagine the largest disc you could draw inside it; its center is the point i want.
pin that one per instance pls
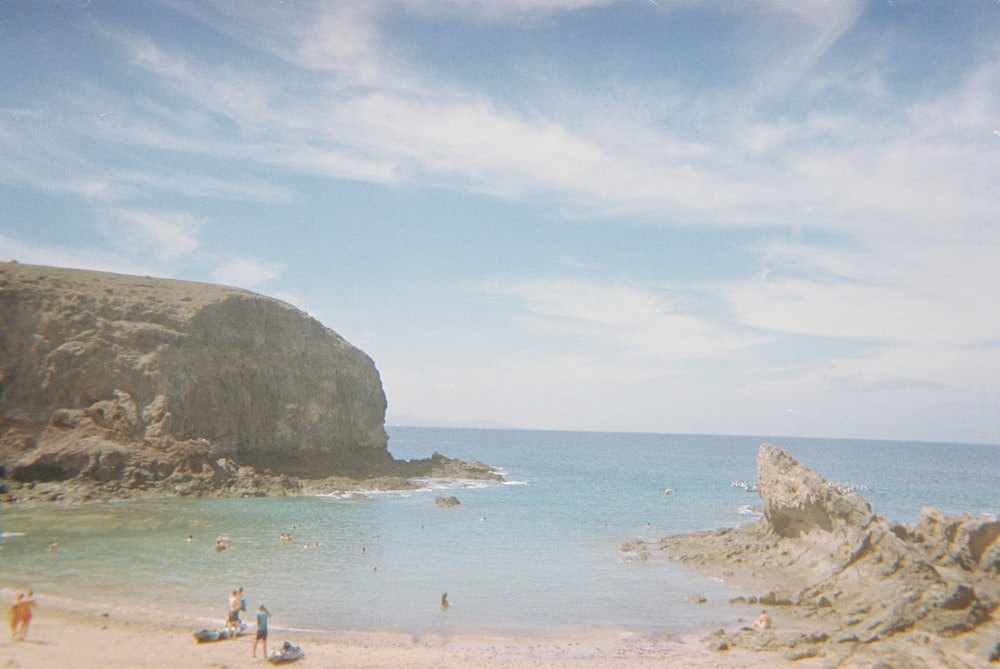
(537, 555)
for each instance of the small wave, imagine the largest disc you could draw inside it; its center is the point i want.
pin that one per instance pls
(423, 486)
(515, 483)
(746, 508)
(365, 494)
(453, 484)
(6, 535)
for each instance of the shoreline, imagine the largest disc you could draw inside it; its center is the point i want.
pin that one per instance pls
(99, 635)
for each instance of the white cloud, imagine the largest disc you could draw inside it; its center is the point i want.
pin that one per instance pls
(468, 142)
(509, 11)
(894, 291)
(641, 326)
(397, 125)
(73, 253)
(847, 398)
(246, 272)
(50, 151)
(914, 312)
(162, 235)
(531, 390)
(829, 21)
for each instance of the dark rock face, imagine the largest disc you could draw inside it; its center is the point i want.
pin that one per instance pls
(110, 377)
(925, 596)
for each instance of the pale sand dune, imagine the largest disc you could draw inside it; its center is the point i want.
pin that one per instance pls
(96, 636)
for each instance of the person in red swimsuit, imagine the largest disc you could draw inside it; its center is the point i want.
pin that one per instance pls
(20, 615)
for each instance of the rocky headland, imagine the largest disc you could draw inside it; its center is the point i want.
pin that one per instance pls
(847, 586)
(115, 386)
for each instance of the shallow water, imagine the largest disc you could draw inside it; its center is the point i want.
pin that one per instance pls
(538, 554)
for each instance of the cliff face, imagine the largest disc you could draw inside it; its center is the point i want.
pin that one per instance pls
(121, 377)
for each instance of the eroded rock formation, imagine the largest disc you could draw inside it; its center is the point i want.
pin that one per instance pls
(134, 380)
(849, 586)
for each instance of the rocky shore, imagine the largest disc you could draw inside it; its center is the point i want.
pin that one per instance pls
(844, 585)
(227, 479)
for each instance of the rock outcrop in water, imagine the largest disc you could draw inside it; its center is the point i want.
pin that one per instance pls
(133, 383)
(849, 586)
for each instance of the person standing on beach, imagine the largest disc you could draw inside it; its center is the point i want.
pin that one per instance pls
(262, 615)
(15, 615)
(233, 620)
(26, 606)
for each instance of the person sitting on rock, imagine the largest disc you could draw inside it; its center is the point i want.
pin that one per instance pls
(763, 622)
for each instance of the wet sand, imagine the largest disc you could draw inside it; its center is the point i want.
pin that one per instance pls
(94, 635)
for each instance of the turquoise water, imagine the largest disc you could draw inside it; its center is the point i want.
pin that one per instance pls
(538, 554)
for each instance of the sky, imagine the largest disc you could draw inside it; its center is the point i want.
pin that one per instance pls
(770, 217)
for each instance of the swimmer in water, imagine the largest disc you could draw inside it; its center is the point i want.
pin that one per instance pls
(444, 602)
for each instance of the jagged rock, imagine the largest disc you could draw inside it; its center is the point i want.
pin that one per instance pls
(970, 543)
(109, 377)
(447, 502)
(870, 588)
(797, 500)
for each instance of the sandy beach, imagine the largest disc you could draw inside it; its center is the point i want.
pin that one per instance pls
(103, 636)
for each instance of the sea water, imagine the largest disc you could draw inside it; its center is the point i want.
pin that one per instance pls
(538, 554)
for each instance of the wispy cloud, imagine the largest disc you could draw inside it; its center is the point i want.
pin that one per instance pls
(361, 112)
(337, 101)
(54, 152)
(95, 257)
(640, 325)
(820, 25)
(246, 272)
(161, 235)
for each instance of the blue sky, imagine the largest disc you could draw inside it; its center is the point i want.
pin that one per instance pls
(772, 217)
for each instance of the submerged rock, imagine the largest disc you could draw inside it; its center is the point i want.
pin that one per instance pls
(864, 587)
